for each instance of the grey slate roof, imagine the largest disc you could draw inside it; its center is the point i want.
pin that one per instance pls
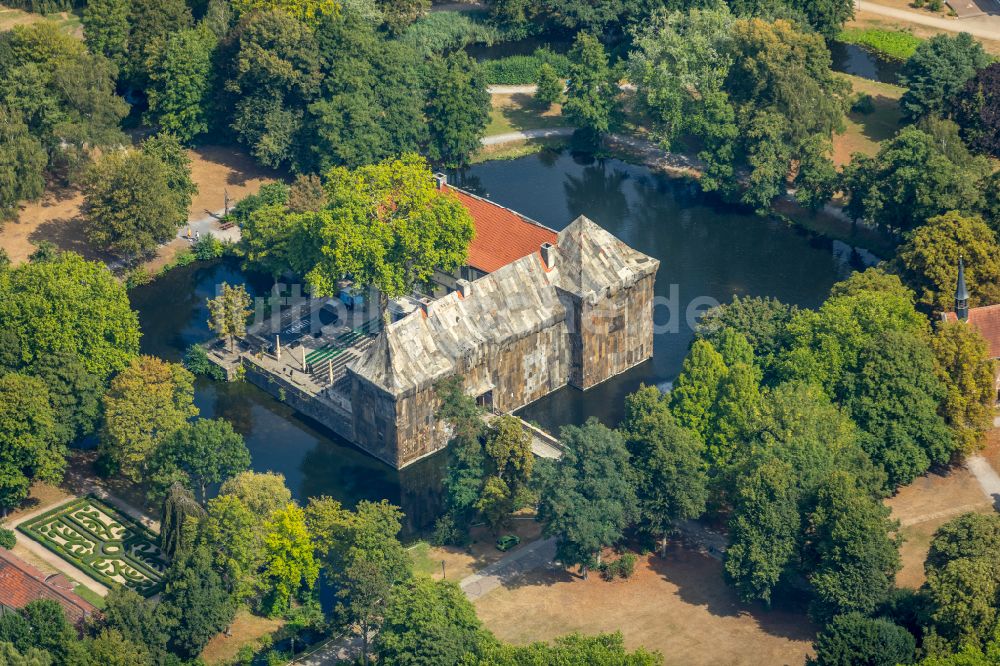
(514, 301)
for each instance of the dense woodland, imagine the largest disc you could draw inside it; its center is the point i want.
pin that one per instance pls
(787, 426)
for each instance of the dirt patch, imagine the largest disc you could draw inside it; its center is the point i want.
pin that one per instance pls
(459, 563)
(40, 497)
(56, 217)
(218, 169)
(991, 451)
(245, 629)
(923, 507)
(679, 605)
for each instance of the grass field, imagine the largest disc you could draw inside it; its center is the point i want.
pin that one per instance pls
(67, 21)
(246, 629)
(864, 20)
(679, 605)
(519, 111)
(864, 132)
(896, 44)
(459, 563)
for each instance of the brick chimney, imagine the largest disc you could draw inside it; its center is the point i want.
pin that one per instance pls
(464, 288)
(548, 251)
(441, 179)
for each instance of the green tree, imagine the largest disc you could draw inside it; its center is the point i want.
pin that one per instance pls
(587, 499)
(29, 446)
(202, 453)
(271, 74)
(592, 91)
(963, 580)
(938, 70)
(975, 109)
(399, 14)
(180, 83)
(145, 404)
(928, 260)
(309, 12)
(7, 539)
(196, 604)
(137, 619)
(290, 564)
(570, 649)
(550, 86)
(128, 206)
(669, 473)
(763, 528)
(911, 180)
(894, 396)
(111, 648)
(22, 163)
(150, 23)
(737, 414)
(68, 305)
(697, 387)
(106, 29)
(966, 369)
(75, 394)
(458, 108)
(429, 623)
(50, 631)
(852, 639)
(262, 492)
(509, 462)
(762, 321)
(11, 656)
(387, 226)
(229, 312)
(306, 194)
(852, 549)
(236, 536)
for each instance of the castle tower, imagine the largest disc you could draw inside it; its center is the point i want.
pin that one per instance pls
(961, 294)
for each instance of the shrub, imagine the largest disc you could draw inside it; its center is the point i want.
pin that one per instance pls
(524, 69)
(208, 247)
(138, 277)
(895, 44)
(623, 567)
(935, 5)
(196, 360)
(447, 533)
(7, 538)
(864, 103)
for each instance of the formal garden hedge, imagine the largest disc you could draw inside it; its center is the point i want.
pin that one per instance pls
(102, 542)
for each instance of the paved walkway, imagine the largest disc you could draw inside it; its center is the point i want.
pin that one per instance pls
(509, 569)
(209, 224)
(984, 27)
(523, 135)
(529, 89)
(987, 477)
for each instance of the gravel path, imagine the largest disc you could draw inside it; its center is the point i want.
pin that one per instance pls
(984, 27)
(526, 134)
(508, 569)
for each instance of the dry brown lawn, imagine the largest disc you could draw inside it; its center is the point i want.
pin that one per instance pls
(864, 133)
(680, 606)
(246, 629)
(459, 563)
(56, 217)
(925, 505)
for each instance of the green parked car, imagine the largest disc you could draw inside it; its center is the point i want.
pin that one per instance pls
(505, 543)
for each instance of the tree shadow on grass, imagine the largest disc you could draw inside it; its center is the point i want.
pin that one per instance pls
(700, 582)
(67, 234)
(524, 113)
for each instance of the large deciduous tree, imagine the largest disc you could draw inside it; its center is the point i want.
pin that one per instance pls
(853, 638)
(967, 371)
(196, 605)
(667, 466)
(458, 108)
(290, 566)
(75, 394)
(928, 260)
(387, 225)
(68, 305)
(939, 70)
(592, 91)
(22, 162)
(852, 549)
(146, 403)
(587, 499)
(976, 109)
(29, 447)
(202, 453)
(180, 89)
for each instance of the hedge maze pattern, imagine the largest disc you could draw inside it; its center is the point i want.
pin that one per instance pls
(103, 543)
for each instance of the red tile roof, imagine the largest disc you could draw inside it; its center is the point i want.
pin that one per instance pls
(987, 320)
(21, 583)
(502, 236)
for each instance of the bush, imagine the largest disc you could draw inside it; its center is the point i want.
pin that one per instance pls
(447, 533)
(895, 44)
(138, 277)
(42, 6)
(623, 567)
(7, 538)
(864, 103)
(196, 360)
(935, 5)
(524, 69)
(208, 247)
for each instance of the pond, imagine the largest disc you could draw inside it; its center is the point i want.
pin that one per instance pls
(859, 61)
(706, 249)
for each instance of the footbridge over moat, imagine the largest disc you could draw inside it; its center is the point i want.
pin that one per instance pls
(543, 444)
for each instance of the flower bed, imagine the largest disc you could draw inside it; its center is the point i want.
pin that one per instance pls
(103, 543)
